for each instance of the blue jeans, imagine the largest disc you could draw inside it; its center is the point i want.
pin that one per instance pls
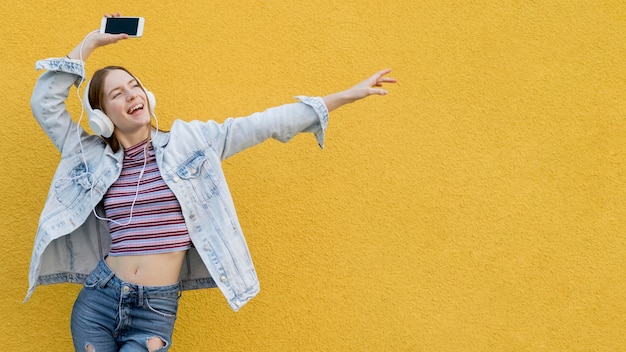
(112, 315)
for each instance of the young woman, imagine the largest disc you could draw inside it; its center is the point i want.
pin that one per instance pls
(139, 215)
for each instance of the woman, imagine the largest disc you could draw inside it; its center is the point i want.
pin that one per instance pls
(142, 215)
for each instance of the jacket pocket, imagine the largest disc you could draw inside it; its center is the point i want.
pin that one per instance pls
(199, 173)
(68, 189)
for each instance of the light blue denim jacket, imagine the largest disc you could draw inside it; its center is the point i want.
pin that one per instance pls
(71, 240)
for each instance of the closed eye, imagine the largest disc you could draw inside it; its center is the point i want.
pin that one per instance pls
(117, 91)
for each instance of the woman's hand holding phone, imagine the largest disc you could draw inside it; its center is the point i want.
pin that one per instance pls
(96, 39)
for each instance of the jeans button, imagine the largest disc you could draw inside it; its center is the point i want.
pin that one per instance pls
(126, 288)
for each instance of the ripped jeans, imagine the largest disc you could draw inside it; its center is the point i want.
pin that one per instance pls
(112, 315)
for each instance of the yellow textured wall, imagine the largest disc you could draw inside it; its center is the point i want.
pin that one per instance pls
(481, 206)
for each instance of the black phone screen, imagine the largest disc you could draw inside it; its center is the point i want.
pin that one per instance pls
(122, 25)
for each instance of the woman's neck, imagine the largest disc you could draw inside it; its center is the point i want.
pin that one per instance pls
(128, 140)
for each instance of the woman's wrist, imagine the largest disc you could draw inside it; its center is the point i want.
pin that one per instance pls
(81, 51)
(339, 99)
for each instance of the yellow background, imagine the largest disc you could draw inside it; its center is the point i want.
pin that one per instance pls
(480, 206)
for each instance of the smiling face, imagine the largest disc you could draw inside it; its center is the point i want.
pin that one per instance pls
(124, 101)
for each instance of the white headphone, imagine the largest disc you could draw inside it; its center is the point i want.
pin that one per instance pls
(99, 122)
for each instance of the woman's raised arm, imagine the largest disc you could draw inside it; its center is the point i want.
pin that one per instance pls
(94, 40)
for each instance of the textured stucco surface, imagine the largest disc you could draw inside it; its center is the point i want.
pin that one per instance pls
(480, 206)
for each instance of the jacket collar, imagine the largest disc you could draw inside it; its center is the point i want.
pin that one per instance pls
(159, 138)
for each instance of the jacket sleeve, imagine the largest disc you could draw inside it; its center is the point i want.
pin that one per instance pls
(48, 99)
(281, 123)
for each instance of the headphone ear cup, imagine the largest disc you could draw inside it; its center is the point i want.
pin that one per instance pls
(100, 123)
(151, 101)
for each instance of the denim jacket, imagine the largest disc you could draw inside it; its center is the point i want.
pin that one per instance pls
(71, 240)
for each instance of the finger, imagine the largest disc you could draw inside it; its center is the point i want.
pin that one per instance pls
(378, 92)
(388, 80)
(383, 72)
(379, 82)
(114, 38)
(120, 36)
(379, 76)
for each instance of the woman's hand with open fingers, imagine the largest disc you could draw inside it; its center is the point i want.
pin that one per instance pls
(371, 86)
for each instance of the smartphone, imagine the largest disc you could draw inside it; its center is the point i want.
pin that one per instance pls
(133, 26)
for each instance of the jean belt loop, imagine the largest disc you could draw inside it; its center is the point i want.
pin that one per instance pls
(140, 295)
(106, 280)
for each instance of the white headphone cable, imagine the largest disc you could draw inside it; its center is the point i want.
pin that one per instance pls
(82, 151)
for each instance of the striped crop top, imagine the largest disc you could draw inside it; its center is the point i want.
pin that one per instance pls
(155, 223)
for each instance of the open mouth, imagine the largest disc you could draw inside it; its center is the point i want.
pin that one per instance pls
(133, 109)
